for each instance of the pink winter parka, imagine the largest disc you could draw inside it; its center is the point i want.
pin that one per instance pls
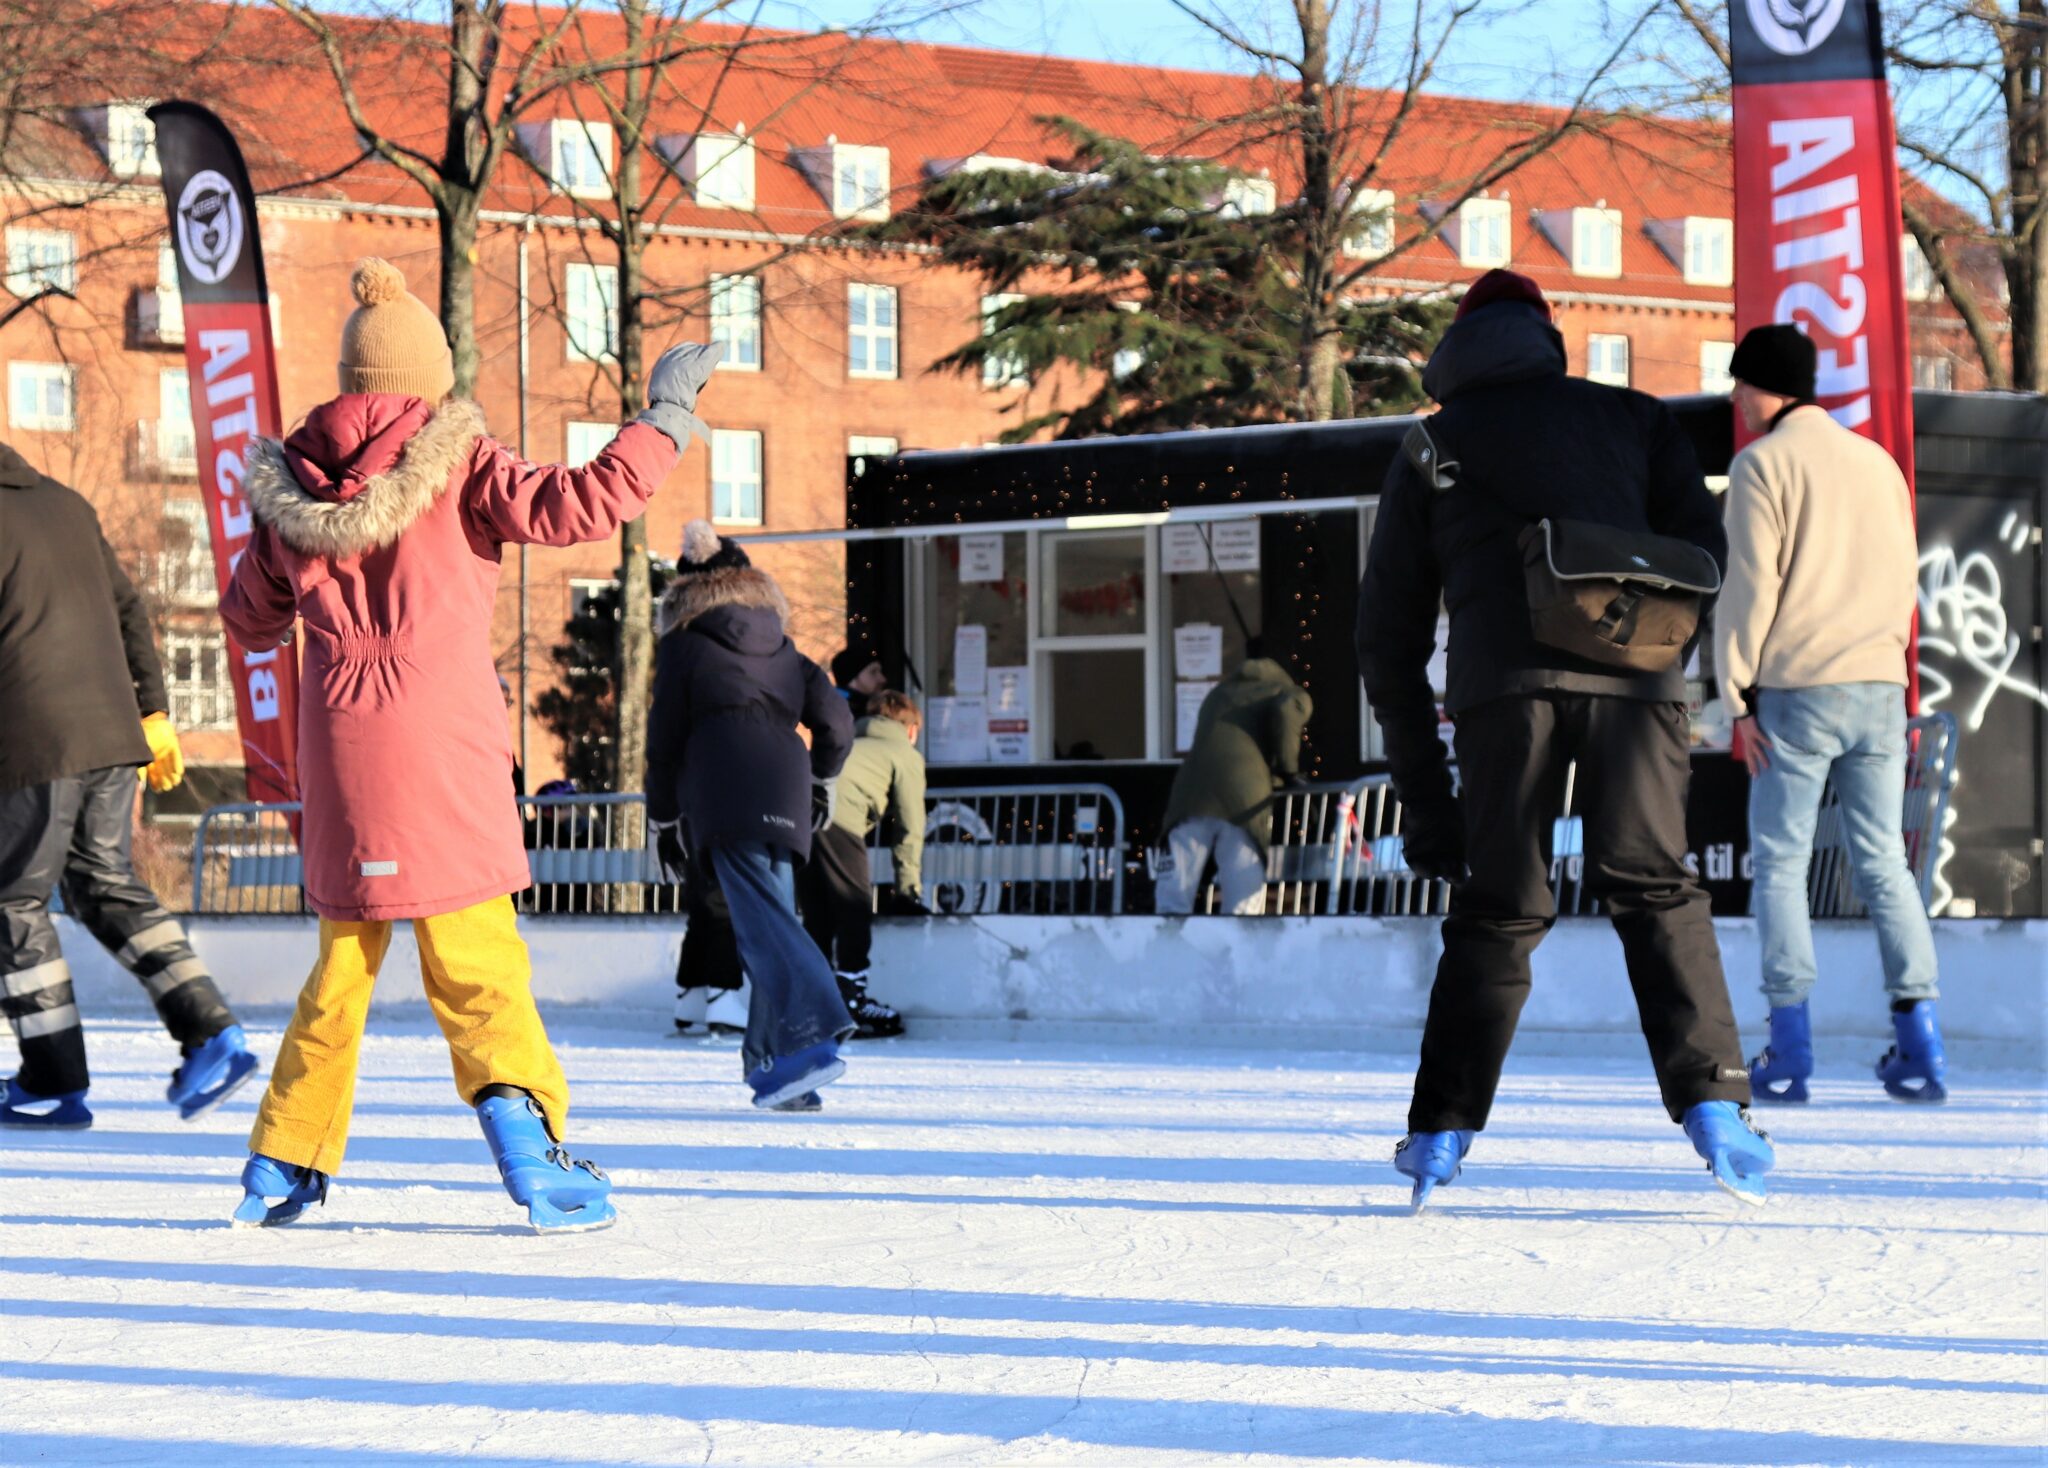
(380, 523)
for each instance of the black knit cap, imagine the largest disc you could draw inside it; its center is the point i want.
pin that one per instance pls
(705, 550)
(850, 662)
(1779, 358)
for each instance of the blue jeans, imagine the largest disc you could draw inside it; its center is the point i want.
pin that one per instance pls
(796, 1000)
(1857, 731)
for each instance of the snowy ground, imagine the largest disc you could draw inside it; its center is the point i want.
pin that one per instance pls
(1031, 1254)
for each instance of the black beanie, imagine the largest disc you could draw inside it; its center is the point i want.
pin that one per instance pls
(705, 550)
(849, 663)
(1778, 358)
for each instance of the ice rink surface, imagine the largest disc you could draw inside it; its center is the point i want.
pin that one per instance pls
(1021, 1254)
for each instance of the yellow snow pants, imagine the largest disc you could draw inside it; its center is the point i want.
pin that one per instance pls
(478, 979)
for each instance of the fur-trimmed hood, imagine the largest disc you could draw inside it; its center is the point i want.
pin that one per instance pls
(365, 495)
(692, 594)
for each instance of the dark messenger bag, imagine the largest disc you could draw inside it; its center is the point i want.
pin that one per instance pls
(1625, 598)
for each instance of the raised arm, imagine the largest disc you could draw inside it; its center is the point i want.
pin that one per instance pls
(260, 604)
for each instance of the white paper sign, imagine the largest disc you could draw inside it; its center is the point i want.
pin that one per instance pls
(970, 660)
(1009, 697)
(1182, 551)
(956, 731)
(1187, 712)
(1198, 651)
(1235, 544)
(981, 558)
(1010, 749)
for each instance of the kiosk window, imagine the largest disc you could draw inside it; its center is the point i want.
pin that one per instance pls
(1098, 703)
(1094, 584)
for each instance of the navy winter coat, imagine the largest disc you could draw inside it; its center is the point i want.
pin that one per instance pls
(729, 690)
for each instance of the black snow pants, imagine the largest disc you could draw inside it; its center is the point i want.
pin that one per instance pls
(711, 950)
(1633, 767)
(836, 891)
(76, 832)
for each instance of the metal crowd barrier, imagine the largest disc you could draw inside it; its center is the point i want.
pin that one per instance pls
(1016, 849)
(586, 854)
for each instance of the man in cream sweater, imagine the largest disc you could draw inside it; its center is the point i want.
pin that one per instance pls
(1810, 645)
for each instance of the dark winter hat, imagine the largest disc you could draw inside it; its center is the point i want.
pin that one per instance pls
(704, 550)
(1502, 285)
(1779, 358)
(850, 662)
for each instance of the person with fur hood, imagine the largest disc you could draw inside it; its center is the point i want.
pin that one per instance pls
(731, 789)
(380, 525)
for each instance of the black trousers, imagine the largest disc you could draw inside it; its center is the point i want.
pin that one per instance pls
(711, 951)
(1634, 764)
(835, 889)
(76, 832)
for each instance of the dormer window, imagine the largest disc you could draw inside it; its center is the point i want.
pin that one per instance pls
(860, 182)
(130, 141)
(1595, 241)
(1369, 232)
(1921, 284)
(1703, 248)
(718, 167)
(575, 155)
(1245, 198)
(1482, 232)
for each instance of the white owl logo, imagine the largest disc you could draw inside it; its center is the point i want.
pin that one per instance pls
(1794, 27)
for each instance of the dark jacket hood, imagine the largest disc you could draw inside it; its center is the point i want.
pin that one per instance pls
(1508, 342)
(694, 594)
(754, 632)
(16, 472)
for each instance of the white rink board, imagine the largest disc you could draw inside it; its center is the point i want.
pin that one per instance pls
(1042, 1254)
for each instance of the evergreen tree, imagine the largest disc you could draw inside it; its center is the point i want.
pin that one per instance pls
(582, 708)
(1178, 308)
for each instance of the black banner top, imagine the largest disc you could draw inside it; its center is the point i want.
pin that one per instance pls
(213, 209)
(1804, 41)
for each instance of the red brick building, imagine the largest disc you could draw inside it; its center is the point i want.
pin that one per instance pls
(1627, 226)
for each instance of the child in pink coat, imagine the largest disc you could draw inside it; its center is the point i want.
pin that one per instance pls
(381, 521)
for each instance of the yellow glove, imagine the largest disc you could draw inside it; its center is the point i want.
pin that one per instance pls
(167, 764)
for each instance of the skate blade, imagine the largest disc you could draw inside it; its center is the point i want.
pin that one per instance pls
(1418, 1200)
(1794, 1094)
(36, 1124)
(1930, 1093)
(823, 1075)
(239, 1075)
(270, 1217)
(1742, 1189)
(545, 1218)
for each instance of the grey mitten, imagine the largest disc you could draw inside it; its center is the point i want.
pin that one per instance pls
(672, 387)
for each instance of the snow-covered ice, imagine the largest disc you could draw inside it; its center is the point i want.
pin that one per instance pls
(1036, 1253)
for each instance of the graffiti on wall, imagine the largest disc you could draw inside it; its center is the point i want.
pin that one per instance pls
(1964, 626)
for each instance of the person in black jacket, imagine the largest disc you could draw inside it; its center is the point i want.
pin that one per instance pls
(730, 783)
(1518, 440)
(82, 708)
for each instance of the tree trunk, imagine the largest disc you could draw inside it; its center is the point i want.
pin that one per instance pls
(2026, 263)
(457, 210)
(473, 39)
(1322, 226)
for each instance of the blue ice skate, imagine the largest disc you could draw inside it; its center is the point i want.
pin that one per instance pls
(1916, 1056)
(1736, 1153)
(65, 1112)
(211, 1074)
(560, 1193)
(1787, 1061)
(1431, 1159)
(796, 1074)
(264, 1178)
(805, 1104)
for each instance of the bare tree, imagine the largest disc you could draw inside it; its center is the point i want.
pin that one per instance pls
(1342, 99)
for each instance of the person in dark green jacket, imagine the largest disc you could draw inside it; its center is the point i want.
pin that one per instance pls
(1247, 745)
(882, 782)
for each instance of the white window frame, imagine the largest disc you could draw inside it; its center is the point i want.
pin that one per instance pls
(1714, 360)
(859, 185)
(1707, 251)
(720, 167)
(197, 702)
(131, 141)
(1935, 370)
(1001, 372)
(734, 478)
(184, 574)
(1478, 222)
(735, 305)
(872, 446)
(583, 440)
(1369, 228)
(41, 257)
(36, 378)
(582, 281)
(1245, 197)
(1916, 271)
(571, 138)
(1596, 242)
(1602, 347)
(865, 302)
(177, 437)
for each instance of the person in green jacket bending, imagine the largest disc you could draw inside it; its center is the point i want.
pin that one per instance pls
(883, 780)
(1247, 745)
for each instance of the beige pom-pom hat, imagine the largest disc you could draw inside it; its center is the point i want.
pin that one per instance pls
(392, 342)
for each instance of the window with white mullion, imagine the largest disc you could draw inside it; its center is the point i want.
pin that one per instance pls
(591, 312)
(871, 330)
(736, 321)
(736, 478)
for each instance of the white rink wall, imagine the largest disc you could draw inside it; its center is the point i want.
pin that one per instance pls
(1323, 981)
